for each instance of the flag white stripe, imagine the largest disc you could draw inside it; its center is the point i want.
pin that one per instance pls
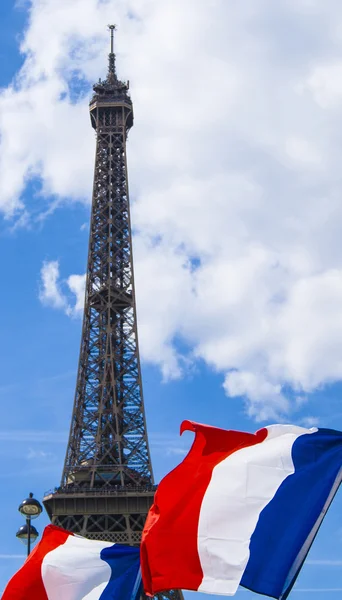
(75, 570)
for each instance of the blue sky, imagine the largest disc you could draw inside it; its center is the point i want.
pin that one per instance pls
(234, 165)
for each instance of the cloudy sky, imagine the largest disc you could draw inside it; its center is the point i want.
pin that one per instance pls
(235, 182)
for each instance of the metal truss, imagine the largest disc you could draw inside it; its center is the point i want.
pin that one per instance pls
(107, 482)
(108, 441)
(119, 529)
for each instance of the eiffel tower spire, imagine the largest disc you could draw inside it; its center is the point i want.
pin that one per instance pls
(111, 65)
(107, 483)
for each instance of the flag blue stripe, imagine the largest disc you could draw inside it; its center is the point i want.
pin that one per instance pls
(285, 524)
(125, 580)
(307, 545)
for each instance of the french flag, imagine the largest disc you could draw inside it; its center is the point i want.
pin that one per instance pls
(64, 566)
(241, 509)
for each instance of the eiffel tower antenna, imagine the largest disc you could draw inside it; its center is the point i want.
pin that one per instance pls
(111, 68)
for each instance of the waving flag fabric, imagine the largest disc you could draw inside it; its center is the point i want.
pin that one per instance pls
(68, 567)
(241, 509)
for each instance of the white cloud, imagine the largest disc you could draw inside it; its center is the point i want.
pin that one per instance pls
(325, 82)
(76, 285)
(38, 454)
(54, 292)
(168, 271)
(50, 293)
(168, 445)
(265, 398)
(234, 175)
(310, 422)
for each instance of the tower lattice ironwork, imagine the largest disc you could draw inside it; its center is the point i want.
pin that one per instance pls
(107, 484)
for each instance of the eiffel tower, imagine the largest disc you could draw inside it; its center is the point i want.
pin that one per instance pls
(107, 483)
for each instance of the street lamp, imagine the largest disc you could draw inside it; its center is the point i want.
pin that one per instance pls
(30, 508)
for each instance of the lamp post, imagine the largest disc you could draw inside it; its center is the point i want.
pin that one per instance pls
(30, 508)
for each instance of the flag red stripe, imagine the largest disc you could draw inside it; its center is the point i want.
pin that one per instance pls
(27, 583)
(169, 543)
